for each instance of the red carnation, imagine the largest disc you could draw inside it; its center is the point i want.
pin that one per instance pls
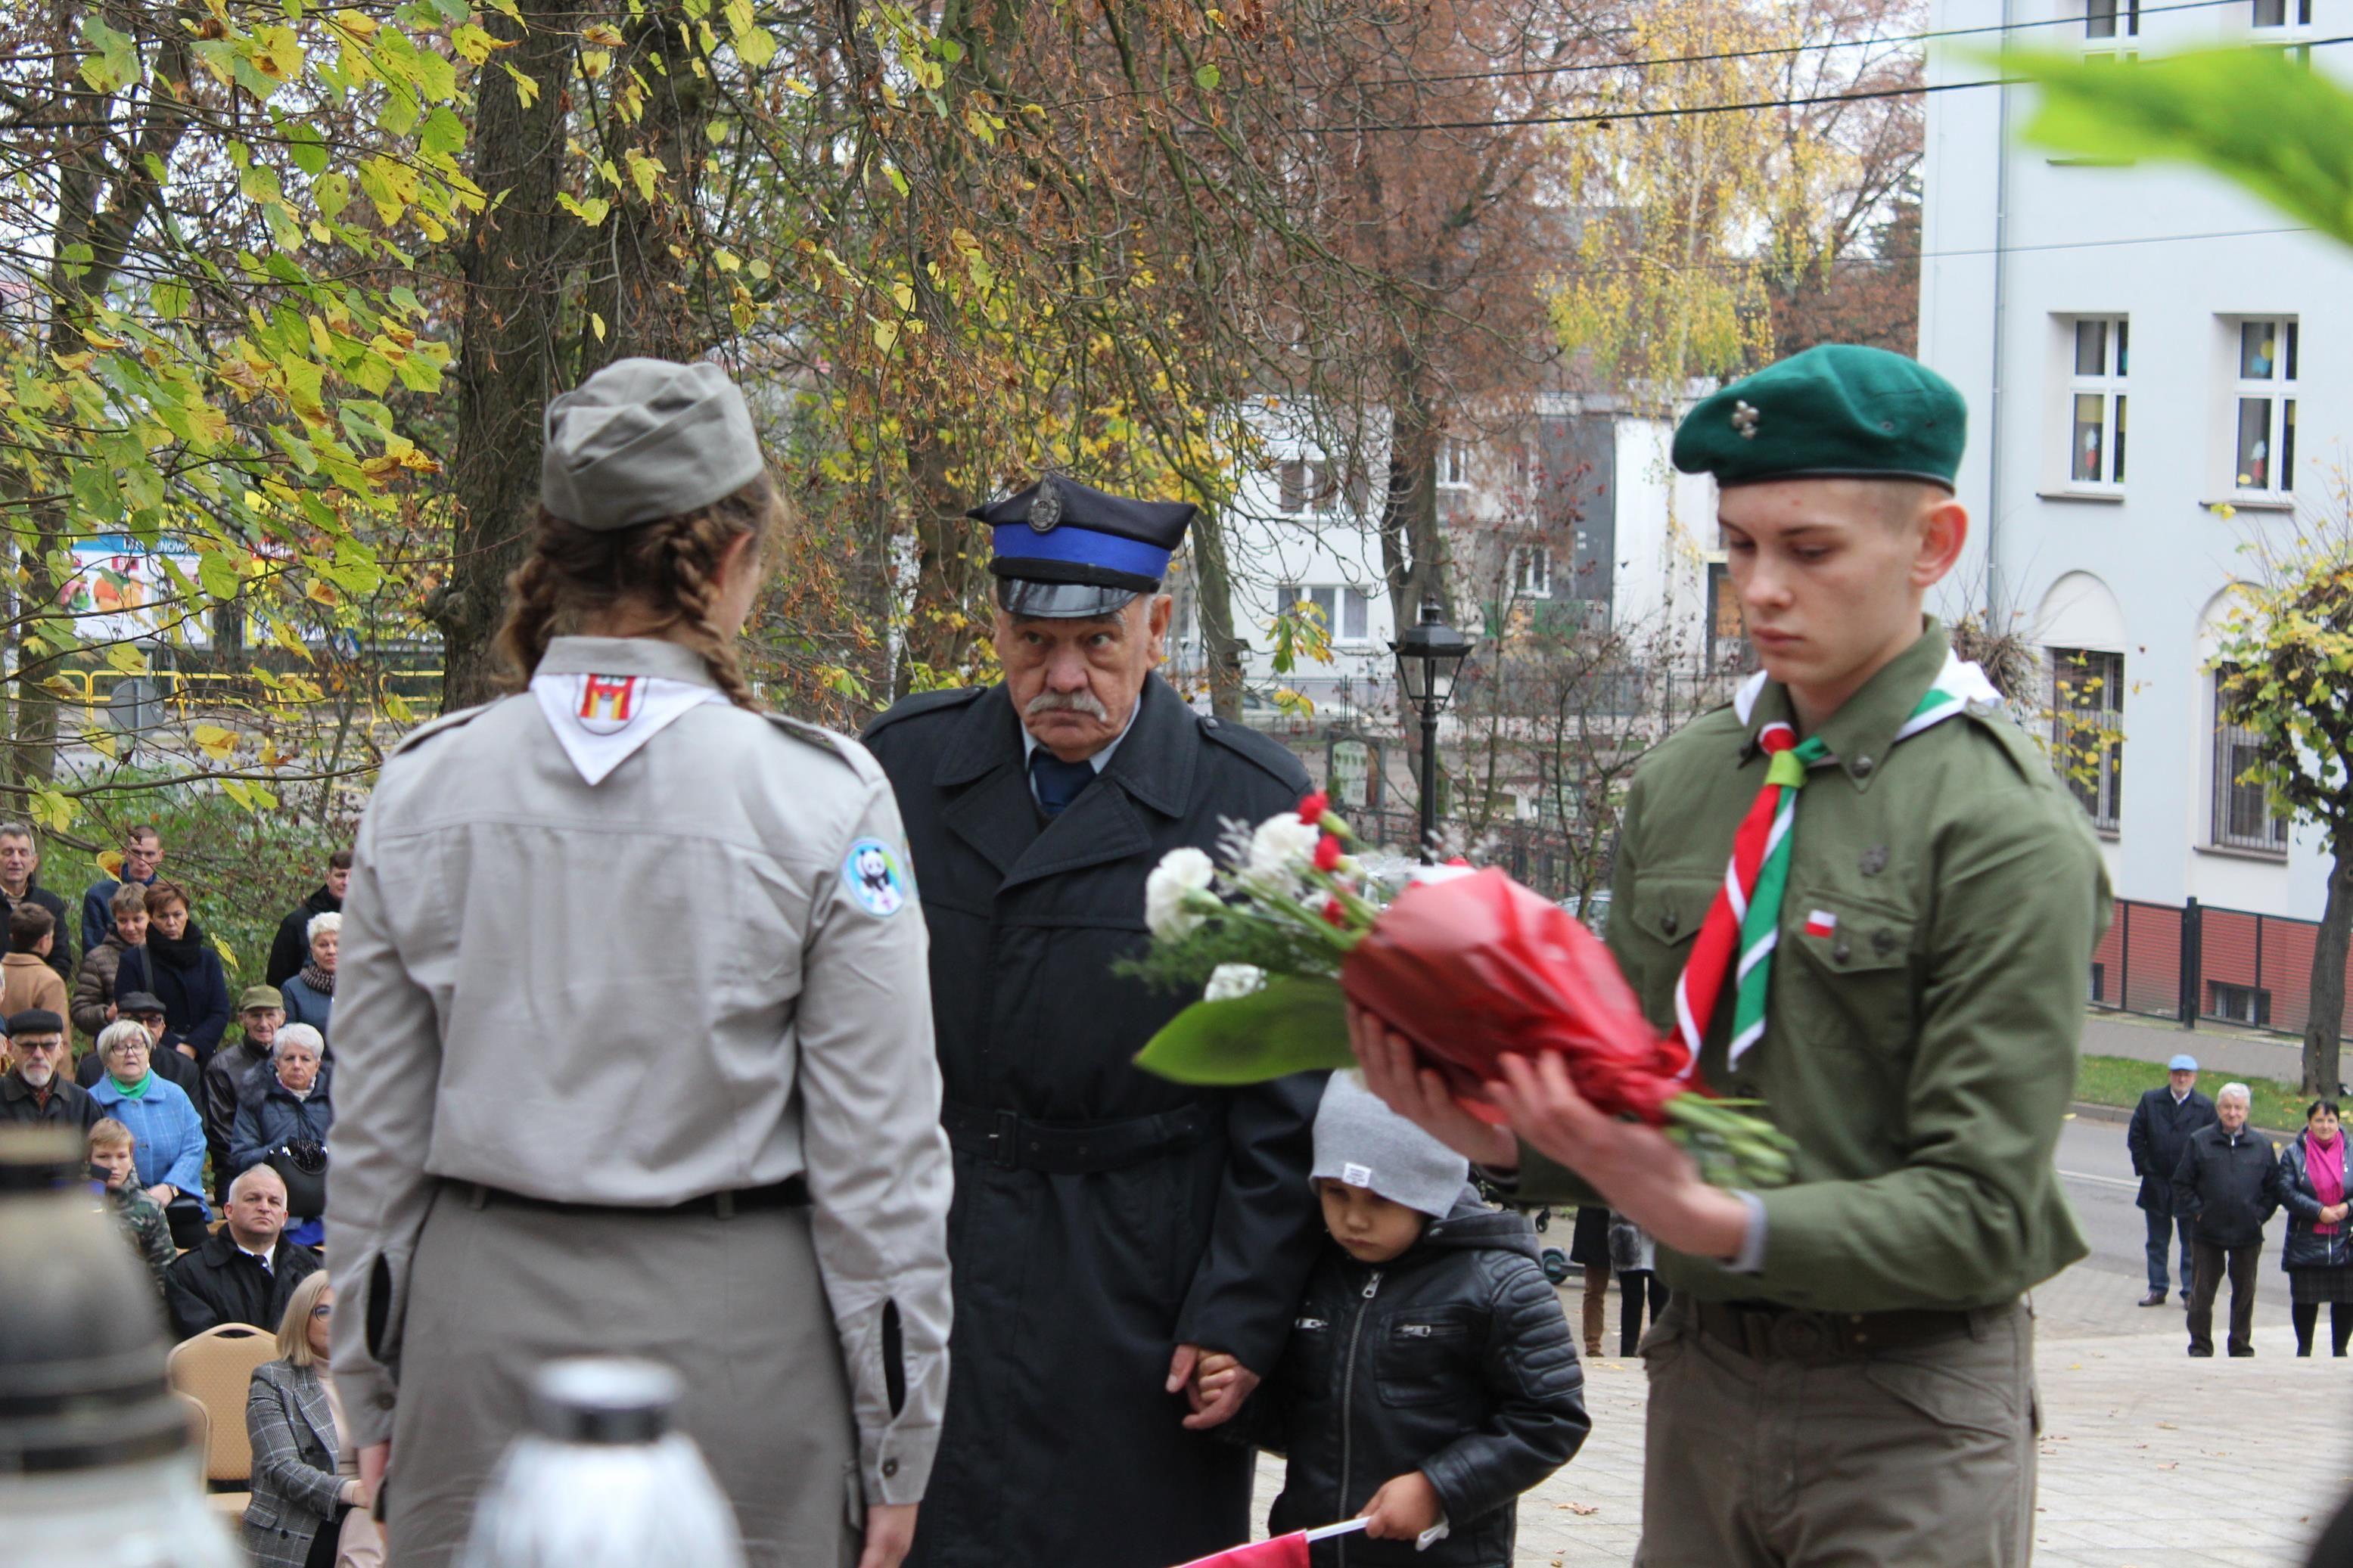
(1336, 911)
(1313, 807)
(1327, 854)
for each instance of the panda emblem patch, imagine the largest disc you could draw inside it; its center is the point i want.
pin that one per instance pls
(873, 877)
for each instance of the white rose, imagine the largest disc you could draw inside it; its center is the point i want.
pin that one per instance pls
(1180, 874)
(1283, 847)
(1229, 980)
(1439, 873)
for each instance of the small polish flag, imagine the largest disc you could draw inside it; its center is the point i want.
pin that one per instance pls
(1283, 1551)
(1821, 923)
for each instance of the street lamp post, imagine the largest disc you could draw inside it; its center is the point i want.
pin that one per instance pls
(1428, 655)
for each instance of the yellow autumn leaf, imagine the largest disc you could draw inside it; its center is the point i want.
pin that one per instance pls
(214, 742)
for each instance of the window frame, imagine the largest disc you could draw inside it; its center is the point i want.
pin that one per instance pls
(2112, 384)
(2102, 795)
(2122, 38)
(1531, 584)
(1317, 491)
(1722, 649)
(1454, 463)
(2277, 388)
(1333, 601)
(2224, 768)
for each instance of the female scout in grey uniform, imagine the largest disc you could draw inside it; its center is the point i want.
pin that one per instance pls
(635, 1040)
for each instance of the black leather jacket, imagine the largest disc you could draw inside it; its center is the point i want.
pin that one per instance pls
(1453, 1358)
(2227, 1184)
(2306, 1248)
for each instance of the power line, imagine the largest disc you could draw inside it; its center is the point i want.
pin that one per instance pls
(1764, 51)
(1605, 117)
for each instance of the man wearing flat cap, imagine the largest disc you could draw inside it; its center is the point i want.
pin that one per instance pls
(1891, 956)
(1109, 1226)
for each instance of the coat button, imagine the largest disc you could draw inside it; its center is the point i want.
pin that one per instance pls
(1842, 951)
(383, 1400)
(1669, 921)
(889, 1468)
(1883, 942)
(1862, 766)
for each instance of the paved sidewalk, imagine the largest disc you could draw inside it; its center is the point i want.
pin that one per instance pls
(2149, 1459)
(2222, 1053)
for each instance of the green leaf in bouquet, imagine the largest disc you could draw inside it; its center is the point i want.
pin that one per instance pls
(1292, 1025)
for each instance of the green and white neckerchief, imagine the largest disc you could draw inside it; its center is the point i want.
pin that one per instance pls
(1744, 924)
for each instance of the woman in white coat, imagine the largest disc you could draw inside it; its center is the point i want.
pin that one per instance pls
(632, 1057)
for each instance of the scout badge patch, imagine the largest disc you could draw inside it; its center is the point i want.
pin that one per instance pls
(602, 720)
(871, 874)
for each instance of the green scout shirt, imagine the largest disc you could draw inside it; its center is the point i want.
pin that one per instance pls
(1921, 1053)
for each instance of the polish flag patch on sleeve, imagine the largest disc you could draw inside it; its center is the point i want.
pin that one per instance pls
(1821, 923)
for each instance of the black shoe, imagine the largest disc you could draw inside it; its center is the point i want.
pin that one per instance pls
(2242, 1350)
(2208, 1352)
(2154, 1298)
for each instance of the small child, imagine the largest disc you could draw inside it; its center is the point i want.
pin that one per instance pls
(142, 1217)
(1430, 1377)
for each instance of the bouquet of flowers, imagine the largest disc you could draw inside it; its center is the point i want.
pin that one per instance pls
(1466, 964)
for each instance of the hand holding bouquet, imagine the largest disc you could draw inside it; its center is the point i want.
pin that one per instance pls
(1467, 964)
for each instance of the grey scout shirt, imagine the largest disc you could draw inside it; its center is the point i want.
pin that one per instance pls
(517, 1010)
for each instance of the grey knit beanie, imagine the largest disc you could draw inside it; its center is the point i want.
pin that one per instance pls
(1361, 1141)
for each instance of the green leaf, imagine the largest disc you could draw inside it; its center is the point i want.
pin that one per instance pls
(1291, 1025)
(170, 297)
(1206, 79)
(443, 133)
(2259, 117)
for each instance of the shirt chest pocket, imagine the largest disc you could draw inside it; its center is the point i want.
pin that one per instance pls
(1425, 1357)
(1669, 908)
(1850, 979)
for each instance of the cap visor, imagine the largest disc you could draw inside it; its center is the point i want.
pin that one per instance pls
(1026, 597)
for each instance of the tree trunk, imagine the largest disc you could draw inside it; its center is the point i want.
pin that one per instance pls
(1221, 650)
(511, 298)
(947, 546)
(643, 290)
(2325, 1025)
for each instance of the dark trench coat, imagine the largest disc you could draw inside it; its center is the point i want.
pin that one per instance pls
(1073, 1287)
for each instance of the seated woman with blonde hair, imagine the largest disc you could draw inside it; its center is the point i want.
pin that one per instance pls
(306, 1475)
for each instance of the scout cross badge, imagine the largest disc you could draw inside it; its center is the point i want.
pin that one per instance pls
(601, 721)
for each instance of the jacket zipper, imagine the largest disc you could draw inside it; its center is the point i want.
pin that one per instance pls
(1348, 1396)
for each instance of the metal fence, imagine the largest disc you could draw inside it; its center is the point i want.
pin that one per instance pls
(1541, 855)
(2196, 962)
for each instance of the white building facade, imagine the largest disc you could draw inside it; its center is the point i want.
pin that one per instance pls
(2156, 376)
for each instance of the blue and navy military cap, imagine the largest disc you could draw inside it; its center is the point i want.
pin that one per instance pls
(1064, 551)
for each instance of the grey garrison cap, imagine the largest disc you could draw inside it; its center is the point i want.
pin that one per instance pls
(646, 438)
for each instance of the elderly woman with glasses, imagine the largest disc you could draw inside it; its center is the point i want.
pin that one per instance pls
(168, 1147)
(305, 1467)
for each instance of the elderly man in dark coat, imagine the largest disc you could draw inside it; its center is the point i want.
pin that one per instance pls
(2162, 1125)
(1109, 1228)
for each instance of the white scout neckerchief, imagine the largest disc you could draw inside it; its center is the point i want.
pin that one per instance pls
(601, 721)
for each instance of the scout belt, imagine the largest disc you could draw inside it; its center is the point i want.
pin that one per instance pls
(792, 1193)
(1012, 1143)
(1766, 1330)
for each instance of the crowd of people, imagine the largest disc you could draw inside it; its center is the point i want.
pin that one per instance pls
(2209, 1185)
(192, 1113)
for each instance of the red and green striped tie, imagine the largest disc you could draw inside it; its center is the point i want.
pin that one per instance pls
(1744, 924)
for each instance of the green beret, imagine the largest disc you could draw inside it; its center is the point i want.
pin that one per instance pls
(1836, 412)
(646, 438)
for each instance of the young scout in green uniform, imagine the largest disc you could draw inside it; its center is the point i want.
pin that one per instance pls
(1894, 961)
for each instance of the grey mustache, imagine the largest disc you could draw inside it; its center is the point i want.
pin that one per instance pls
(1084, 703)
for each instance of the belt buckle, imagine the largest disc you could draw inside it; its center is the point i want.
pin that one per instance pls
(1800, 1337)
(1003, 1142)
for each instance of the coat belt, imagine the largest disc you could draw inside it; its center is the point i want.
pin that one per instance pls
(1013, 1142)
(792, 1193)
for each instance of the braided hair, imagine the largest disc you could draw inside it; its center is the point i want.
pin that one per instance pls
(665, 570)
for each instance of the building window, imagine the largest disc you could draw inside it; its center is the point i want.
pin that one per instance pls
(2263, 407)
(1454, 464)
(1310, 488)
(2239, 1004)
(1344, 612)
(2282, 12)
(2095, 436)
(2087, 704)
(1531, 571)
(2106, 20)
(2244, 818)
(1728, 637)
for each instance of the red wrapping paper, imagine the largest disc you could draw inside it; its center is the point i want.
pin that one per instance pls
(1470, 968)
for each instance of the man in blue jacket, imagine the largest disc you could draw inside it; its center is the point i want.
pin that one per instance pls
(2162, 1125)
